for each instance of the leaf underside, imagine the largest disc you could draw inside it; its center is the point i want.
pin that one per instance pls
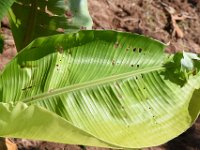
(99, 88)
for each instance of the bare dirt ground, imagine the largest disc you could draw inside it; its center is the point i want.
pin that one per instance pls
(171, 21)
(174, 21)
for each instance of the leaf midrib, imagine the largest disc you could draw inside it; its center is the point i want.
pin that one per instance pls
(84, 85)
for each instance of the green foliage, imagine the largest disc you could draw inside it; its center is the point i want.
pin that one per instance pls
(4, 7)
(99, 88)
(187, 61)
(31, 19)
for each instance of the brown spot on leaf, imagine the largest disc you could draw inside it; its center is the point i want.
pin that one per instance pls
(116, 45)
(113, 62)
(83, 28)
(68, 14)
(60, 49)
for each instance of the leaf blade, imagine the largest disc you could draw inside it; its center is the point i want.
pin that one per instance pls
(139, 103)
(4, 7)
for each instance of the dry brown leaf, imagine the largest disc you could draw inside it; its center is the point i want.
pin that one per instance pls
(6, 144)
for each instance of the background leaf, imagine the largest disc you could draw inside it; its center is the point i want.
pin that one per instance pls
(107, 88)
(35, 18)
(4, 7)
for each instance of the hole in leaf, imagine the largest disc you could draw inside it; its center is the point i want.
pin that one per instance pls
(38, 8)
(138, 66)
(132, 65)
(140, 50)
(134, 49)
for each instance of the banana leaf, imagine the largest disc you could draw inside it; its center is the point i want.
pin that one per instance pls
(98, 88)
(4, 7)
(36, 18)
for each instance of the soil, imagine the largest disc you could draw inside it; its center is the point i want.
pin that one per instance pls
(176, 22)
(152, 18)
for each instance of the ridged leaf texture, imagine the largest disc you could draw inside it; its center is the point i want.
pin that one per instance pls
(99, 88)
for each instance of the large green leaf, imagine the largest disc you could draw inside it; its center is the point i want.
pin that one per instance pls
(35, 18)
(100, 88)
(4, 7)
